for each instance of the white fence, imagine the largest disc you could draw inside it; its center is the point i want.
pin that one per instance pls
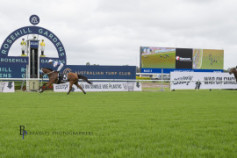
(177, 80)
(100, 84)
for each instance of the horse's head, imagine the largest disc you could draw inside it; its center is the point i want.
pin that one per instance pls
(233, 70)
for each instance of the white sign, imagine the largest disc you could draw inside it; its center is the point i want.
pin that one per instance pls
(6, 87)
(100, 87)
(206, 80)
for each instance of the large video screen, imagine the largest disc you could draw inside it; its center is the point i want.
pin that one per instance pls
(181, 58)
(157, 57)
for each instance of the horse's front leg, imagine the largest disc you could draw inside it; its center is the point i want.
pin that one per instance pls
(46, 87)
(41, 88)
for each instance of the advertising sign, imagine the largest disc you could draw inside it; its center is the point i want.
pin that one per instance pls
(100, 87)
(184, 58)
(102, 72)
(190, 80)
(7, 87)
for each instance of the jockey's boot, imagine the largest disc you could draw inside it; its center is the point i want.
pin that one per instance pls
(60, 76)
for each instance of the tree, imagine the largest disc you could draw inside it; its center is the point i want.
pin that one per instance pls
(88, 63)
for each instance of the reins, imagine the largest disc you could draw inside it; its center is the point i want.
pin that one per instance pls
(49, 72)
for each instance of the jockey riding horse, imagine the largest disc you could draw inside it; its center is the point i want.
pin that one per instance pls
(60, 66)
(233, 71)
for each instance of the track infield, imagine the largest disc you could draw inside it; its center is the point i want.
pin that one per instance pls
(119, 124)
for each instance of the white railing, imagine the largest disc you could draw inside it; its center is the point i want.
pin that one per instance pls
(102, 80)
(21, 79)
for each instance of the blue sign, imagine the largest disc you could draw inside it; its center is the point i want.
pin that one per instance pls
(102, 72)
(34, 19)
(34, 44)
(12, 70)
(158, 70)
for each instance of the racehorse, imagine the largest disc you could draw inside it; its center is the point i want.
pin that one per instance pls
(71, 77)
(234, 71)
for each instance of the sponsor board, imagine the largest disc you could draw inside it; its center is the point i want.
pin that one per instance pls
(34, 44)
(190, 80)
(102, 72)
(100, 87)
(184, 58)
(6, 87)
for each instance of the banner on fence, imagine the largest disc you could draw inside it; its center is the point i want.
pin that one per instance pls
(6, 87)
(100, 87)
(202, 80)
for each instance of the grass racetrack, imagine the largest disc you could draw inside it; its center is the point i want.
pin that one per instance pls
(119, 124)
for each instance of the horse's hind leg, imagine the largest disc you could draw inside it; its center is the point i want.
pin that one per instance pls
(70, 87)
(76, 83)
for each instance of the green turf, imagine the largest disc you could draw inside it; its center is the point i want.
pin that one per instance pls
(121, 124)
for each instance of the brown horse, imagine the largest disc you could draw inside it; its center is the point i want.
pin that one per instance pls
(71, 77)
(234, 71)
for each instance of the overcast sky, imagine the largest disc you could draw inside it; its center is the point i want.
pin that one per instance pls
(110, 32)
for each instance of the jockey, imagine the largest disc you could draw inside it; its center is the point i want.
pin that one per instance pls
(55, 64)
(60, 66)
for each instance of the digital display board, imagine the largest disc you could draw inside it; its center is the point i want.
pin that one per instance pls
(153, 59)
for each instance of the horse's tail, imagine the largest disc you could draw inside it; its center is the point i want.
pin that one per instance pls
(84, 78)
